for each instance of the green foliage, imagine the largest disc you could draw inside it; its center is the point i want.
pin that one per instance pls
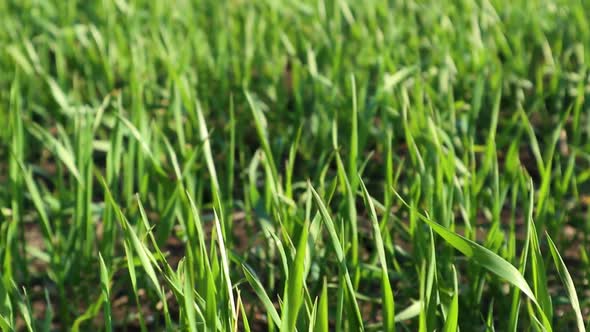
(315, 165)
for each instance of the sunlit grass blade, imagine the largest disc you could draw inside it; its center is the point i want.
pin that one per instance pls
(352, 218)
(410, 312)
(490, 319)
(133, 278)
(6, 313)
(60, 150)
(245, 322)
(386, 292)
(60, 96)
(105, 281)
(91, 312)
(39, 205)
(482, 256)
(321, 318)
(539, 273)
(206, 139)
(261, 293)
(139, 248)
(188, 299)
(294, 288)
(339, 254)
(225, 267)
(452, 320)
(260, 123)
(567, 281)
(5, 324)
(354, 137)
(142, 140)
(26, 313)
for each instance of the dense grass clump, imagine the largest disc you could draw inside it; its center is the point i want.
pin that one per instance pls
(282, 165)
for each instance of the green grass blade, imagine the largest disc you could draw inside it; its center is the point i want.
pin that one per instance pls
(105, 281)
(321, 319)
(225, 267)
(451, 323)
(482, 256)
(90, 313)
(386, 293)
(254, 281)
(260, 123)
(567, 281)
(339, 255)
(39, 205)
(204, 136)
(485, 258)
(242, 310)
(60, 150)
(410, 312)
(142, 252)
(189, 299)
(294, 288)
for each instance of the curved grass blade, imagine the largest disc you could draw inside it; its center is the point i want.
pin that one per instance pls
(339, 253)
(90, 313)
(5, 325)
(242, 310)
(205, 138)
(321, 318)
(259, 290)
(260, 123)
(143, 254)
(484, 257)
(451, 324)
(188, 299)
(60, 150)
(386, 292)
(225, 266)
(294, 291)
(566, 278)
(410, 312)
(105, 285)
(39, 205)
(480, 255)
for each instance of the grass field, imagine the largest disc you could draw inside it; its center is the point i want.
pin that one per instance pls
(282, 165)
